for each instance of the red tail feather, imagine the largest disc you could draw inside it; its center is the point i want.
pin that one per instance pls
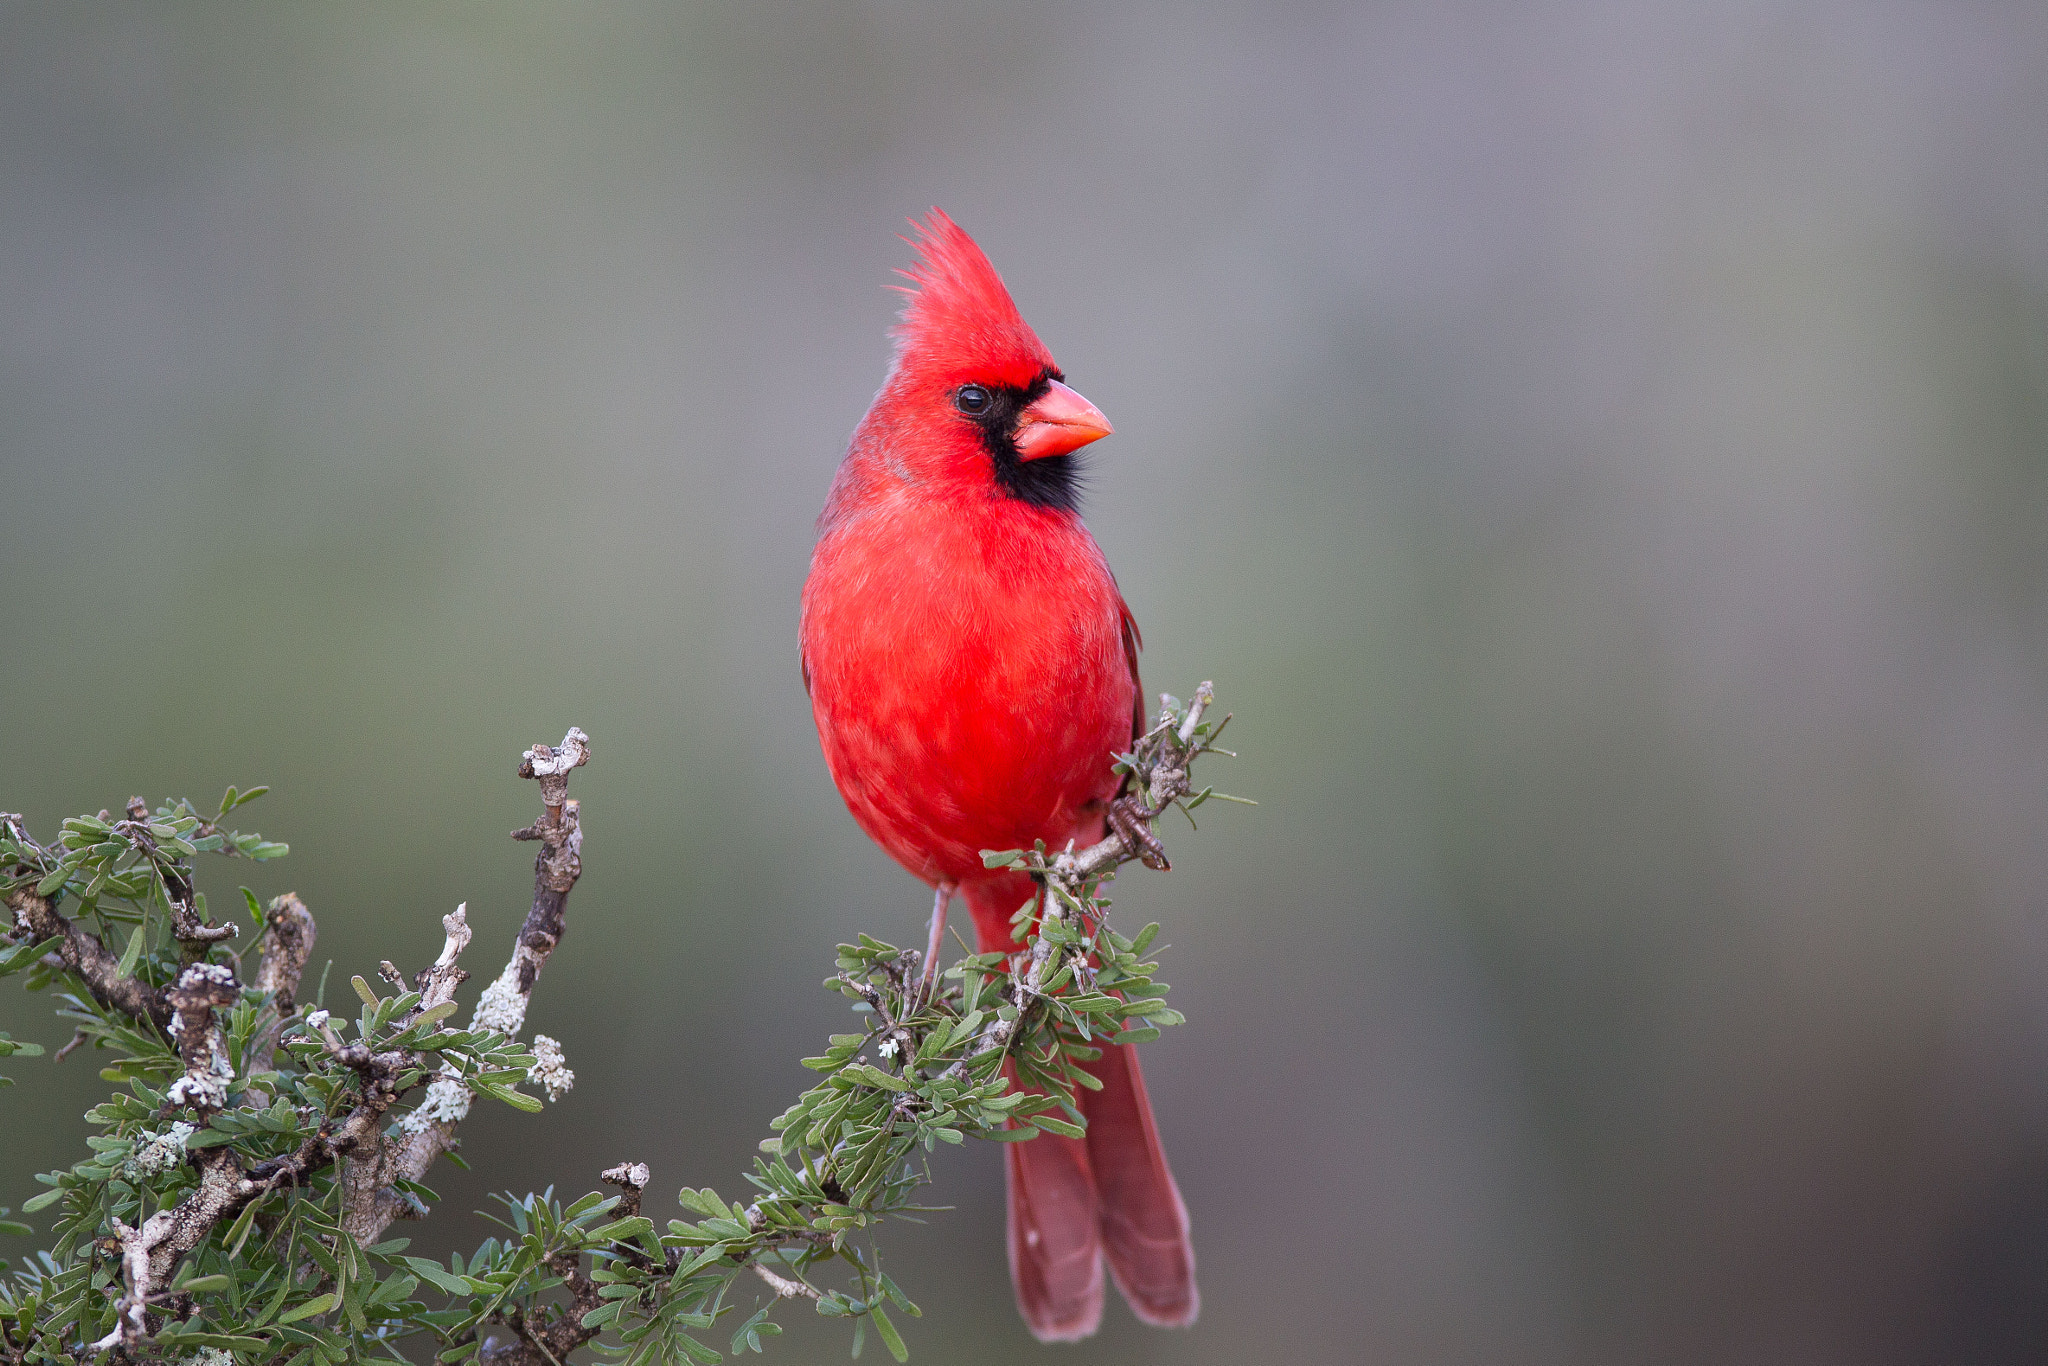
(1076, 1202)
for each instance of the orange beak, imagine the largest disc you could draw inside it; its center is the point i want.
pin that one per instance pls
(1060, 422)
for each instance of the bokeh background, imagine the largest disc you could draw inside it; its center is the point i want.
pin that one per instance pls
(1600, 451)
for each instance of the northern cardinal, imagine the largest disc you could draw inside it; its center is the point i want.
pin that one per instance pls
(973, 669)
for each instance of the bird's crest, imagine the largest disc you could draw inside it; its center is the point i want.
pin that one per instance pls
(958, 314)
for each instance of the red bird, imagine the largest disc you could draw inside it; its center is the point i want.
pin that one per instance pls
(973, 669)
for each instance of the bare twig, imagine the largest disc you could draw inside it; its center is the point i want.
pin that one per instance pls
(631, 1178)
(79, 1039)
(288, 936)
(201, 993)
(1165, 781)
(783, 1286)
(436, 984)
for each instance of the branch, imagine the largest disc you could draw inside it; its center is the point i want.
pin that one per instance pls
(201, 992)
(783, 1286)
(1165, 755)
(149, 1253)
(372, 1200)
(288, 936)
(82, 954)
(190, 1010)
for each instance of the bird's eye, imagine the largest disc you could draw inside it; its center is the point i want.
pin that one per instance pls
(971, 399)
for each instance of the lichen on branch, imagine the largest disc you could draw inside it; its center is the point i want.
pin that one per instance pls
(243, 1180)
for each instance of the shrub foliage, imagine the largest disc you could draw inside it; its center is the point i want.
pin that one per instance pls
(240, 1181)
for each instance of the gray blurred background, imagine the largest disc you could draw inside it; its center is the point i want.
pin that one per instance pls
(1599, 451)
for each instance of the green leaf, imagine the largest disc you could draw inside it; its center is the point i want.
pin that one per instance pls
(352, 1305)
(200, 1285)
(133, 952)
(174, 1335)
(588, 1203)
(1000, 858)
(1013, 1135)
(1058, 1126)
(704, 1201)
(744, 1337)
(52, 882)
(437, 1275)
(370, 998)
(436, 1015)
(695, 1350)
(42, 1201)
(275, 1301)
(898, 1298)
(890, 1337)
(518, 1100)
(623, 1229)
(319, 1304)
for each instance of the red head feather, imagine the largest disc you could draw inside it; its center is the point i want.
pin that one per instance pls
(958, 316)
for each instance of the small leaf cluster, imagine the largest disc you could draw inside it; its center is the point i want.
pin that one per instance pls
(1163, 753)
(132, 861)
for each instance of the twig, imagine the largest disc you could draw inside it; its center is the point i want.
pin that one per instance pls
(202, 991)
(1165, 781)
(82, 953)
(783, 1286)
(561, 1329)
(372, 1200)
(79, 1039)
(436, 984)
(149, 1253)
(631, 1178)
(289, 933)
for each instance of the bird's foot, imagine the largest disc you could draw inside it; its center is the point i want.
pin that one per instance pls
(1132, 821)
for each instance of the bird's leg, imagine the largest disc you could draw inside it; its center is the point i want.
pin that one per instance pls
(1131, 819)
(942, 898)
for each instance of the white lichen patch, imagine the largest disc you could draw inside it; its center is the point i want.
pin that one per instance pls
(502, 1006)
(207, 1090)
(550, 1070)
(446, 1102)
(156, 1154)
